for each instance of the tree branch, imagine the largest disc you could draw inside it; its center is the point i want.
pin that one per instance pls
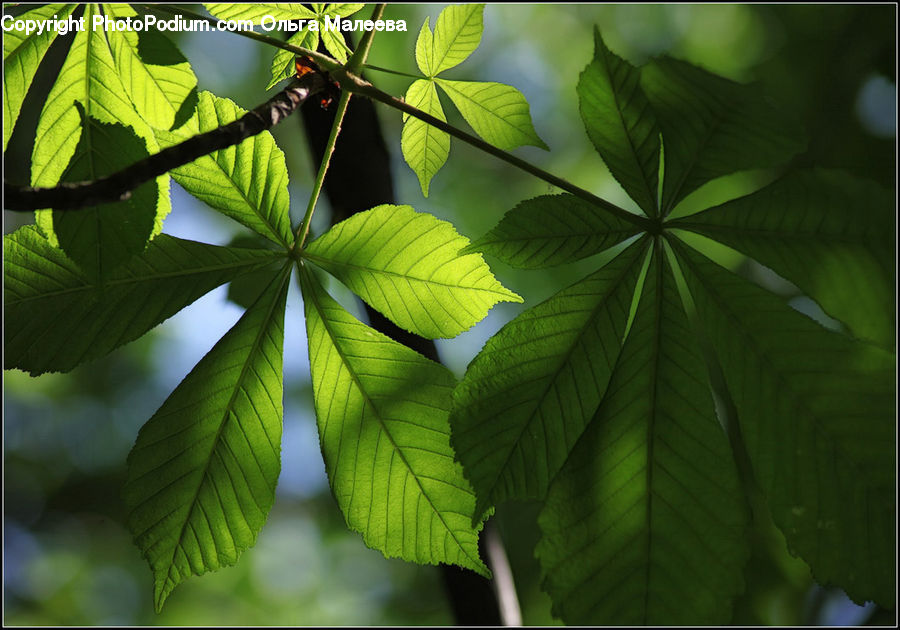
(118, 186)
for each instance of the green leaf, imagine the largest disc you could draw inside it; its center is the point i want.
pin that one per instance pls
(817, 414)
(88, 76)
(56, 318)
(620, 123)
(425, 148)
(425, 49)
(283, 63)
(829, 233)
(712, 126)
(457, 33)
(646, 523)
(536, 384)
(247, 182)
(202, 474)
(22, 54)
(157, 77)
(101, 238)
(407, 265)
(551, 230)
(497, 112)
(256, 11)
(382, 416)
(334, 44)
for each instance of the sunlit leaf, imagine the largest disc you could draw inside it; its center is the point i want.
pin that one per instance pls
(407, 265)
(202, 474)
(425, 148)
(22, 54)
(156, 76)
(382, 416)
(457, 33)
(256, 11)
(498, 113)
(283, 63)
(247, 182)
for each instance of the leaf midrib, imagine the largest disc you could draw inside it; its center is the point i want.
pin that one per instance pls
(238, 386)
(314, 298)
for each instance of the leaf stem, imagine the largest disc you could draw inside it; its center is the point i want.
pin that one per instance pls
(349, 81)
(368, 66)
(358, 58)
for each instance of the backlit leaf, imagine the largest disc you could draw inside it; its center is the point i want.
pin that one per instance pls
(382, 416)
(407, 265)
(202, 474)
(457, 33)
(425, 148)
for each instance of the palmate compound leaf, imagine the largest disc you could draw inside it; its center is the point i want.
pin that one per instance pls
(712, 126)
(817, 414)
(156, 76)
(620, 123)
(830, 233)
(552, 230)
(425, 148)
(645, 523)
(22, 54)
(382, 416)
(536, 384)
(247, 182)
(408, 265)
(55, 318)
(202, 474)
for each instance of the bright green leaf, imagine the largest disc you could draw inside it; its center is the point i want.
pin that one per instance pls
(646, 523)
(551, 230)
(157, 77)
(457, 33)
(22, 54)
(344, 9)
(425, 148)
(100, 238)
(256, 11)
(56, 318)
(536, 384)
(827, 232)
(202, 474)
(498, 113)
(382, 416)
(247, 182)
(407, 265)
(425, 49)
(817, 414)
(620, 123)
(712, 126)
(283, 63)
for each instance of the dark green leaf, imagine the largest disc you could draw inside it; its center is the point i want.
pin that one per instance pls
(620, 123)
(712, 126)
(827, 232)
(536, 384)
(551, 230)
(55, 318)
(817, 413)
(645, 524)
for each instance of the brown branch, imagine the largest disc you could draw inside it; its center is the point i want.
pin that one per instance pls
(118, 186)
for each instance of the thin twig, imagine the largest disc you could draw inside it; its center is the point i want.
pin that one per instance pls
(118, 186)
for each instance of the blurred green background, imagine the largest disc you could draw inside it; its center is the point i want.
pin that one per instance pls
(67, 558)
